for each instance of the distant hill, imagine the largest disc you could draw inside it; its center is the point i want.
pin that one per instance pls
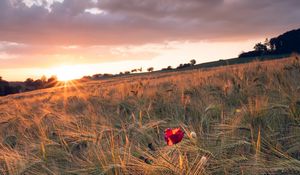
(233, 61)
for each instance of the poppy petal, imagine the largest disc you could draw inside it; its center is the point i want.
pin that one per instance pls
(173, 136)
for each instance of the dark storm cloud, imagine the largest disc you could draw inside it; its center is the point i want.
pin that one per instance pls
(144, 21)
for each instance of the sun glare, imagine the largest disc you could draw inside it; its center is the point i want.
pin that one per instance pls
(66, 73)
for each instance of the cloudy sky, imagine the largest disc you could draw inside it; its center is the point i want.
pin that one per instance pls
(96, 36)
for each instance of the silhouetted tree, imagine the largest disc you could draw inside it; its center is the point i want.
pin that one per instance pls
(168, 68)
(44, 79)
(193, 62)
(286, 43)
(106, 75)
(134, 70)
(150, 69)
(52, 81)
(38, 84)
(97, 76)
(260, 47)
(29, 82)
(4, 87)
(181, 66)
(85, 78)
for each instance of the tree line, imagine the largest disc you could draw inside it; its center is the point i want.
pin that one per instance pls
(286, 43)
(29, 84)
(137, 70)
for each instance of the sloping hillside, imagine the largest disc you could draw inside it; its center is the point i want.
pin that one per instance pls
(239, 119)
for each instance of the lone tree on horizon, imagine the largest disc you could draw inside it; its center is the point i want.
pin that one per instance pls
(193, 62)
(150, 69)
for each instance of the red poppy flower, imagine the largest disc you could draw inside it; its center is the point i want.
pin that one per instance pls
(173, 136)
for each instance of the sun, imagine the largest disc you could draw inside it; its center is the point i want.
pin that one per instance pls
(67, 73)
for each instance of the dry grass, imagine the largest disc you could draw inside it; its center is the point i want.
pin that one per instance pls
(246, 119)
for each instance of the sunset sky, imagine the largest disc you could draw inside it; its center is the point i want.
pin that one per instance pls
(84, 37)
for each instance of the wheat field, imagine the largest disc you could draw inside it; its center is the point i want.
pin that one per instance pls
(238, 119)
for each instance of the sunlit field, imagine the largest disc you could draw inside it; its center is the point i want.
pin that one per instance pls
(239, 119)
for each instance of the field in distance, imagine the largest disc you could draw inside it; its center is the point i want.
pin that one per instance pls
(239, 119)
